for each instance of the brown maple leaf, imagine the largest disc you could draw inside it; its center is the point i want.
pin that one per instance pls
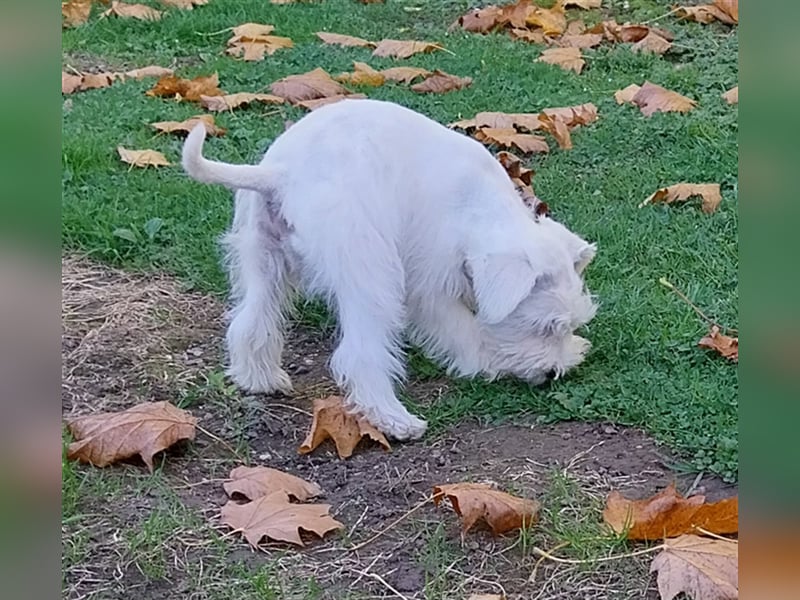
(231, 101)
(477, 501)
(440, 82)
(726, 345)
(626, 95)
(534, 37)
(668, 514)
(500, 120)
(584, 4)
(250, 31)
(184, 4)
(254, 482)
(404, 74)
(726, 11)
(187, 125)
(701, 568)
(732, 95)
(70, 82)
(403, 48)
(186, 89)
(132, 11)
(580, 114)
(143, 158)
(273, 516)
(522, 177)
(708, 192)
(331, 420)
(76, 12)
(511, 138)
(551, 20)
(144, 429)
(257, 49)
(148, 71)
(308, 86)
(481, 20)
(347, 41)
(320, 102)
(362, 74)
(568, 58)
(652, 98)
(556, 126)
(579, 40)
(652, 42)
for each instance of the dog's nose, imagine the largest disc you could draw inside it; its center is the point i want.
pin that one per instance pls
(550, 375)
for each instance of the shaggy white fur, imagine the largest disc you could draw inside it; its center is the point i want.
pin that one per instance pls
(401, 225)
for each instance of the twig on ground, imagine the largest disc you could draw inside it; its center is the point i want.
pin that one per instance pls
(532, 576)
(591, 561)
(391, 525)
(227, 446)
(667, 284)
(382, 581)
(716, 535)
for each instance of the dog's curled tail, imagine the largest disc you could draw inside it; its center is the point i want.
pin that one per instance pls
(248, 177)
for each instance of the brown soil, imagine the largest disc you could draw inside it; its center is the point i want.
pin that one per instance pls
(129, 339)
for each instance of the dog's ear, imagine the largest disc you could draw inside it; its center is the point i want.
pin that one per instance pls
(500, 282)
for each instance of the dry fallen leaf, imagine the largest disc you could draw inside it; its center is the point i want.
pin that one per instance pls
(255, 482)
(440, 82)
(626, 95)
(511, 138)
(403, 48)
(308, 86)
(580, 114)
(149, 71)
(727, 346)
(143, 158)
(551, 20)
(652, 42)
(668, 514)
(475, 501)
(187, 125)
(362, 74)
(522, 177)
(79, 82)
(273, 516)
(231, 101)
(568, 58)
(70, 82)
(76, 12)
(339, 39)
(184, 4)
(145, 429)
(404, 74)
(331, 420)
(726, 11)
(187, 89)
(652, 98)
(250, 31)
(584, 4)
(701, 568)
(534, 37)
(320, 102)
(254, 50)
(732, 95)
(499, 120)
(579, 40)
(708, 192)
(481, 20)
(556, 126)
(132, 11)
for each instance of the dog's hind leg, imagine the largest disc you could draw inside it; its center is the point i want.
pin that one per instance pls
(259, 276)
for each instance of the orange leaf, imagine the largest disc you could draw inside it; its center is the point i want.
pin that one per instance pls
(187, 89)
(709, 192)
(187, 125)
(231, 101)
(320, 102)
(732, 95)
(275, 517)
(477, 501)
(568, 58)
(362, 74)
(255, 482)
(76, 12)
(668, 514)
(404, 74)
(143, 158)
(701, 568)
(340, 39)
(727, 346)
(144, 429)
(307, 86)
(403, 48)
(440, 82)
(510, 138)
(70, 82)
(652, 98)
(132, 11)
(557, 127)
(331, 420)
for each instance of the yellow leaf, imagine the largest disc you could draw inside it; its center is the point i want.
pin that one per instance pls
(143, 158)
(709, 192)
(187, 125)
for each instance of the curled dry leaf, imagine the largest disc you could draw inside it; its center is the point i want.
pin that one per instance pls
(320, 102)
(626, 95)
(132, 11)
(75, 12)
(149, 71)
(499, 120)
(653, 43)
(187, 125)
(254, 50)
(231, 101)
(273, 516)
(144, 429)
(551, 20)
(726, 11)
(732, 95)
(96, 81)
(534, 37)
(186, 89)
(308, 86)
(403, 48)
(708, 192)
(511, 138)
(652, 98)
(184, 4)
(568, 58)
(727, 346)
(521, 177)
(477, 501)
(363, 75)
(404, 74)
(331, 420)
(579, 40)
(255, 482)
(70, 82)
(79, 82)
(556, 126)
(339, 39)
(440, 82)
(668, 514)
(250, 31)
(143, 158)
(481, 20)
(584, 4)
(701, 568)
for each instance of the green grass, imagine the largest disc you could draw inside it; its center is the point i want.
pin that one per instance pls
(645, 368)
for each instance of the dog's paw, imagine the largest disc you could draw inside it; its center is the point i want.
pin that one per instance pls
(403, 428)
(259, 381)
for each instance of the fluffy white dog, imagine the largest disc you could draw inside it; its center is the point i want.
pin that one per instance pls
(401, 225)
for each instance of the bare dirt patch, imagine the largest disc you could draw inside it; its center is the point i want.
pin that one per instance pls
(128, 339)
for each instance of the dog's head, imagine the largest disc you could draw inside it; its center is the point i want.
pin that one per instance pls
(530, 299)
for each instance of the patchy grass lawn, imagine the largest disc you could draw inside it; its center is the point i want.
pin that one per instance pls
(126, 531)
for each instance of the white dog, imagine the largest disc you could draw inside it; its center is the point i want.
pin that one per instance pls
(400, 224)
